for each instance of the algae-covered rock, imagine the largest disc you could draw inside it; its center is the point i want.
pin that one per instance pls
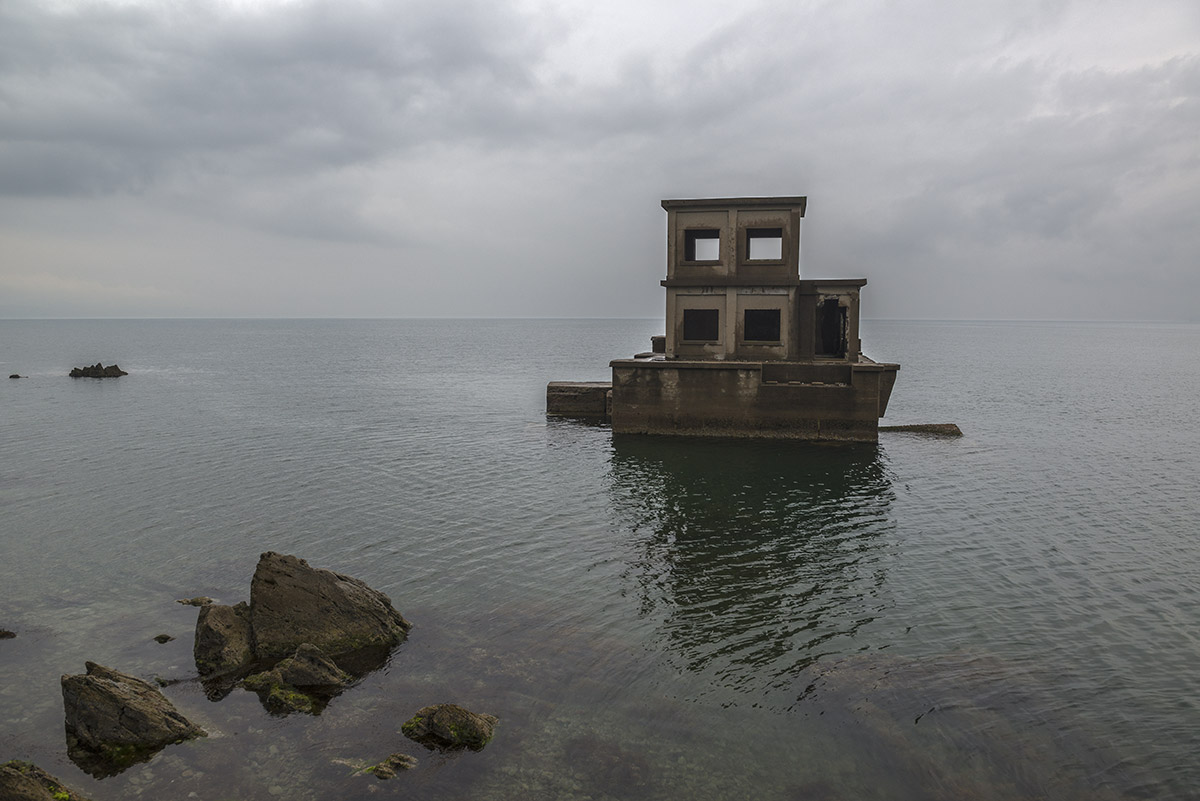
(223, 639)
(304, 682)
(292, 604)
(24, 781)
(450, 726)
(114, 720)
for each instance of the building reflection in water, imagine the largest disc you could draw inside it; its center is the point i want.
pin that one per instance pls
(754, 559)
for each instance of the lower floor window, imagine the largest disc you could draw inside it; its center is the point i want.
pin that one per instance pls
(701, 325)
(761, 325)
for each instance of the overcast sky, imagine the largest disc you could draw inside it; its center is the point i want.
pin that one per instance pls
(506, 158)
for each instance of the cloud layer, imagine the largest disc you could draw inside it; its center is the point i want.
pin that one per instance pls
(317, 158)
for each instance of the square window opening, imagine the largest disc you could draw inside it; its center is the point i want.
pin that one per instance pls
(701, 325)
(764, 244)
(761, 325)
(702, 245)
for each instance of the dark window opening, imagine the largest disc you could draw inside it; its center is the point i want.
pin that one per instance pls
(702, 245)
(764, 244)
(760, 325)
(701, 325)
(831, 328)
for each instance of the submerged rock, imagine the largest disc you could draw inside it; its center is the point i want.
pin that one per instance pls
(162, 639)
(446, 726)
(223, 639)
(114, 720)
(24, 781)
(396, 762)
(5, 634)
(292, 604)
(199, 600)
(98, 370)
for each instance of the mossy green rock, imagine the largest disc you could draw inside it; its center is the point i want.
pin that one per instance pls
(447, 726)
(24, 781)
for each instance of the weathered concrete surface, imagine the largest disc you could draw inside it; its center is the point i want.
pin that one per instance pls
(24, 781)
(750, 399)
(936, 429)
(292, 604)
(118, 719)
(447, 726)
(224, 641)
(578, 398)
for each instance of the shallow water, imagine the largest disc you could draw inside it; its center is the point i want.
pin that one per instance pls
(1008, 615)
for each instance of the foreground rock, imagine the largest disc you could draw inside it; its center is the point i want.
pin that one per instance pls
(292, 604)
(24, 781)
(306, 634)
(98, 370)
(304, 682)
(223, 639)
(447, 726)
(114, 720)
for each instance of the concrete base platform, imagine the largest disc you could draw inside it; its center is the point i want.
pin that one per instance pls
(589, 399)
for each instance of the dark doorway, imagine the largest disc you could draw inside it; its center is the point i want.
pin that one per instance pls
(831, 329)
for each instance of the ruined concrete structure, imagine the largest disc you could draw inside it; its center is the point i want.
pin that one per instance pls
(751, 349)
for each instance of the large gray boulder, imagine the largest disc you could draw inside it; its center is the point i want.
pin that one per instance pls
(24, 781)
(224, 641)
(118, 719)
(449, 726)
(292, 604)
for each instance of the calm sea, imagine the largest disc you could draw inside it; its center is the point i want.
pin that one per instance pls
(1010, 615)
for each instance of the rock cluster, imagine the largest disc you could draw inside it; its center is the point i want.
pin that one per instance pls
(98, 370)
(114, 719)
(311, 619)
(24, 781)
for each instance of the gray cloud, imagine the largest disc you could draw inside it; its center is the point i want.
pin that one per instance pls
(956, 155)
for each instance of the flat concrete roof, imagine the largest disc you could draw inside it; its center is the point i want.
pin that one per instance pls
(800, 201)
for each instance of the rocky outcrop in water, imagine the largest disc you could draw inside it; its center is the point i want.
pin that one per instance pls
(304, 682)
(5, 634)
(292, 604)
(24, 781)
(322, 629)
(114, 720)
(98, 370)
(449, 726)
(224, 641)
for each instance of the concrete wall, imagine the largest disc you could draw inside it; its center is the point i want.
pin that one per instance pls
(733, 399)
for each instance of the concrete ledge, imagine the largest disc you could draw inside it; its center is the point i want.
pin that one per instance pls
(937, 429)
(579, 399)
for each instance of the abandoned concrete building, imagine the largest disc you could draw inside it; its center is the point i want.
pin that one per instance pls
(751, 349)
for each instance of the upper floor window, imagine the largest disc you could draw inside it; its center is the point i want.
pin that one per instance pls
(703, 244)
(764, 244)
